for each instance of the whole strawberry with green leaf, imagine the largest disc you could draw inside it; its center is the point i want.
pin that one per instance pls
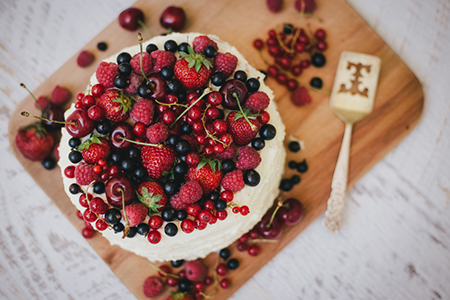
(94, 149)
(152, 195)
(34, 141)
(243, 127)
(116, 104)
(207, 173)
(193, 69)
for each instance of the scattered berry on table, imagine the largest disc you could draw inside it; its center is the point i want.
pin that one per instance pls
(294, 146)
(85, 58)
(195, 270)
(152, 287)
(60, 95)
(102, 46)
(316, 82)
(274, 5)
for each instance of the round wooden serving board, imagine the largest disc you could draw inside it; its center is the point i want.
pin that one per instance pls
(398, 106)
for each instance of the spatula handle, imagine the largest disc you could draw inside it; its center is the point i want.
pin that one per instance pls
(332, 220)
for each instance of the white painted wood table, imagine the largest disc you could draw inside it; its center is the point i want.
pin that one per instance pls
(396, 236)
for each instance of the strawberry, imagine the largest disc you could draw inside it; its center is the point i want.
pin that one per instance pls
(136, 213)
(179, 296)
(300, 96)
(240, 129)
(34, 142)
(152, 195)
(157, 160)
(116, 105)
(193, 69)
(206, 174)
(94, 149)
(225, 63)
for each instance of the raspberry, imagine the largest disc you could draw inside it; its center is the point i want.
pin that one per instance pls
(157, 133)
(135, 82)
(310, 5)
(233, 181)
(248, 158)
(257, 102)
(300, 96)
(106, 72)
(162, 59)
(201, 42)
(152, 286)
(84, 173)
(143, 111)
(176, 202)
(147, 64)
(228, 153)
(274, 5)
(43, 101)
(136, 213)
(60, 95)
(225, 63)
(195, 270)
(85, 58)
(191, 192)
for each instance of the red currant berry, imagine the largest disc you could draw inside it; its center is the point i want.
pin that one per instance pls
(104, 176)
(192, 96)
(88, 232)
(80, 96)
(97, 90)
(154, 237)
(222, 269)
(218, 148)
(225, 283)
(88, 100)
(197, 127)
(235, 210)
(89, 216)
(164, 270)
(210, 142)
(272, 42)
(80, 215)
(220, 126)
(187, 225)
(208, 280)
(171, 281)
(79, 105)
(200, 225)
(253, 250)
(274, 51)
(264, 117)
(69, 171)
(205, 215)
(304, 64)
(101, 225)
(291, 84)
(244, 210)
(97, 169)
(285, 63)
(209, 204)
(244, 238)
(170, 98)
(272, 71)
(199, 286)
(208, 150)
(139, 128)
(242, 247)
(296, 70)
(83, 201)
(254, 234)
(168, 117)
(272, 33)
(215, 98)
(300, 47)
(194, 113)
(213, 220)
(226, 138)
(201, 139)
(102, 162)
(193, 209)
(228, 196)
(303, 39)
(162, 108)
(193, 158)
(221, 215)
(281, 79)
(322, 46)
(320, 34)
(155, 222)
(95, 112)
(182, 274)
(212, 113)
(113, 170)
(88, 225)
(98, 206)
(258, 44)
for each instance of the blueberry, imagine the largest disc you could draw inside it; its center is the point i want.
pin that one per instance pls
(118, 227)
(150, 48)
(181, 168)
(302, 167)
(116, 157)
(168, 214)
(267, 132)
(74, 142)
(99, 187)
(252, 85)
(225, 253)
(233, 264)
(113, 216)
(174, 86)
(182, 215)
(123, 57)
(214, 196)
(143, 229)
(318, 60)
(127, 165)
(125, 69)
(49, 163)
(103, 126)
(210, 51)
(220, 205)
(102, 46)
(140, 172)
(120, 81)
(75, 157)
(286, 185)
(171, 188)
(171, 46)
(252, 178)
(173, 139)
(294, 146)
(171, 229)
(74, 189)
(132, 232)
(183, 47)
(316, 82)
(288, 28)
(184, 285)
(258, 143)
(134, 153)
(292, 164)
(295, 179)
(183, 147)
(177, 263)
(182, 96)
(167, 72)
(240, 75)
(228, 165)
(218, 78)
(144, 91)
(186, 128)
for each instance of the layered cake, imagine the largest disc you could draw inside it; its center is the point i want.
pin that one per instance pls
(175, 154)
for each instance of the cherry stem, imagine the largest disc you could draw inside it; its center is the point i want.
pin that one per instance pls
(86, 192)
(252, 126)
(145, 28)
(205, 92)
(162, 272)
(170, 104)
(216, 281)
(140, 58)
(127, 227)
(160, 146)
(208, 134)
(280, 204)
(262, 57)
(27, 114)
(35, 100)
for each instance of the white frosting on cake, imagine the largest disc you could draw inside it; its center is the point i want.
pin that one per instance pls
(214, 237)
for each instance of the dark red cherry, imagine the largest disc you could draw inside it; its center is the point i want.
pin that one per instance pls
(83, 124)
(272, 232)
(54, 113)
(128, 19)
(158, 86)
(173, 17)
(114, 188)
(229, 90)
(118, 132)
(291, 212)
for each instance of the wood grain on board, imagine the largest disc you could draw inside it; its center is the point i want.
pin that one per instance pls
(398, 106)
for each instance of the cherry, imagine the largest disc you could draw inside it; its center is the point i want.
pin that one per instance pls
(291, 212)
(79, 124)
(80, 96)
(269, 232)
(88, 232)
(158, 86)
(119, 131)
(131, 18)
(53, 113)
(173, 18)
(230, 89)
(117, 186)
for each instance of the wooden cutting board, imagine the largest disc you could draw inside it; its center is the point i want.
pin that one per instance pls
(398, 106)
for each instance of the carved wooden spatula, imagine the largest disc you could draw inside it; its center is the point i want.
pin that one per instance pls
(351, 100)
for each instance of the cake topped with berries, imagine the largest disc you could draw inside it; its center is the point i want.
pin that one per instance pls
(176, 148)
